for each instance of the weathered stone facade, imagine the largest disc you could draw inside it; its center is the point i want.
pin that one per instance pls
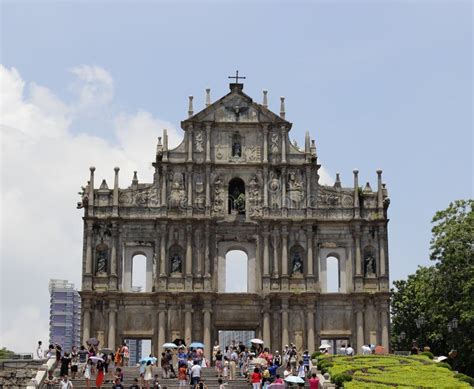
(236, 182)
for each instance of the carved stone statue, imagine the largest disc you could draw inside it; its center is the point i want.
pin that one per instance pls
(369, 265)
(236, 146)
(176, 263)
(295, 190)
(177, 194)
(274, 188)
(102, 257)
(199, 141)
(274, 143)
(297, 267)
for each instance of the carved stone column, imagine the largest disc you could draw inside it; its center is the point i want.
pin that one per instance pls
(189, 182)
(308, 189)
(310, 330)
(358, 279)
(382, 260)
(309, 258)
(164, 179)
(208, 190)
(208, 142)
(207, 258)
(276, 238)
(284, 257)
(199, 253)
(188, 310)
(163, 258)
(359, 328)
(265, 143)
(265, 188)
(190, 143)
(87, 278)
(266, 324)
(90, 208)
(284, 322)
(283, 144)
(207, 311)
(284, 202)
(189, 258)
(113, 258)
(161, 324)
(384, 312)
(86, 324)
(266, 262)
(112, 333)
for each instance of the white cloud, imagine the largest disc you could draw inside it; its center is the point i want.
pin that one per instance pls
(43, 165)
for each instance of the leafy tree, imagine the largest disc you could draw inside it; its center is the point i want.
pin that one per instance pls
(442, 292)
(5, 353)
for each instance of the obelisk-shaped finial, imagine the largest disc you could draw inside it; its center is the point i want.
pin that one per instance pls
(282, 107)
(208, 97)
(265, 99)
(190, 108)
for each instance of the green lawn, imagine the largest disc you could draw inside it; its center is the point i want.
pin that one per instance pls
(388, 371)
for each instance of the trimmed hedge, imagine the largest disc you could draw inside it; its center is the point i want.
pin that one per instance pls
(385, 371)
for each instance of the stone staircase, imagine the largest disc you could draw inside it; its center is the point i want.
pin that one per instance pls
(208, 376)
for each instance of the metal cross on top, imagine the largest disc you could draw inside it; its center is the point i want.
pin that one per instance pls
(237, 77)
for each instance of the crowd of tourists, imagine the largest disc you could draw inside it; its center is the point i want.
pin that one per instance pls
(257, 364)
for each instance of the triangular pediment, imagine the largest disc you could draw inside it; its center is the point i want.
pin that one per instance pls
(235, 107)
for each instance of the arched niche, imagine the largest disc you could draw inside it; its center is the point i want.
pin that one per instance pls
(236, 196)
(176, 260)
(296, 260)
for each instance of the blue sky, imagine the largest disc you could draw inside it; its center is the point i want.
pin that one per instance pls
(378, 84)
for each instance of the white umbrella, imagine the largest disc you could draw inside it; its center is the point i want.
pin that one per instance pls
(95, 359)
(294, 379)
(325, 346)
(169, 345)
(257, 341)
(441, 358)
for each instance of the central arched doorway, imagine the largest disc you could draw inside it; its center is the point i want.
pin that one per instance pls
(236, 272)
(236, 196)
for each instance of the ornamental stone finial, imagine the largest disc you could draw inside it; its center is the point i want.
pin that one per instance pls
(265, 99)
(337, 183)
(190, 107)
(208, 97)
(282, 107)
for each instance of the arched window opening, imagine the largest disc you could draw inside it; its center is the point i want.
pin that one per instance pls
(236, 279)
(333, 275)
(139, 273)
(236, 199)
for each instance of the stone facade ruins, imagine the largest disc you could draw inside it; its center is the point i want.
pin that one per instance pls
(236, 182)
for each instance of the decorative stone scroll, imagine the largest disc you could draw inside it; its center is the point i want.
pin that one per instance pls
(255, 208)
(219, 195)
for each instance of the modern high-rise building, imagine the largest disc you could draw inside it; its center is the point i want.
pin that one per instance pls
(135, 350)
(64, 314)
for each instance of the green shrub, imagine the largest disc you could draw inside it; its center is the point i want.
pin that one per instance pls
(444, 365)
(339, 379)
(428, 354)
(316, 354)
(464, 378)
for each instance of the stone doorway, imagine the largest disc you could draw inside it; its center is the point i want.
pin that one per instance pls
(235, 337)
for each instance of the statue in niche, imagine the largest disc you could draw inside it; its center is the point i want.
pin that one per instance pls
(199, 141)
(175, 263)
(274, 188)
(236, 146)
(177, 195)
(102, 256)
(369, 265)
(297, 267)
(274, 140)
(295, 190)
